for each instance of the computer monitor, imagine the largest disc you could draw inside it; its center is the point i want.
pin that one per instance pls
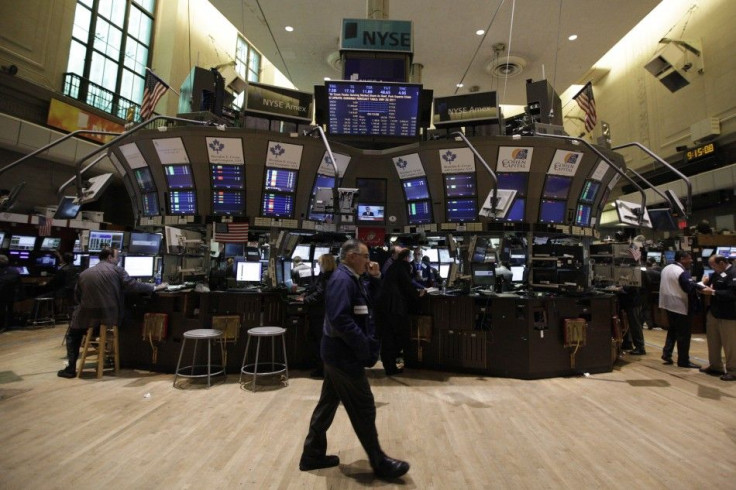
(50, 243)
(68, 208)
(707, 252)
(22, 270)
(415, 189)
(46, 261)
(150, 204)
(323, 181)
(234, 250)
(657, 256)
(2, 238)
(183, 202)
(589, 191)
(319, 251)
(139, 266)
(178, 176)
(248, 272)
(144, 243)
(303, 251)
(228, 203)
(444, 255)
(370, 212)
(552, 211)
(433, 255)
(99, 239)
(22, 242)
(662, 220)
(277, 205)
(669, 256)
(419, 212)
(582, 215)
(144, 179)
(460, 185)
(513, 180)
(518, 207)
(556, 187)
(227, 176)
(444, 269)
(484, 275)
(281, 180)
(79, 258)
(93, 260)
(461, 210)
(517, 273)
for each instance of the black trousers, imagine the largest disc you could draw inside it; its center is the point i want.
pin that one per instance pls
(394, 338)
(678, 333)
(355, 394)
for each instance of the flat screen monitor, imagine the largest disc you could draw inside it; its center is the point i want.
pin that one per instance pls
(379, 67)
(78, 258)
(144, 243)
(460, 185)
(50, 243)
(2, 238)
(319, 251)
(513, 180)
(551, 211)
(444, 255)
(590, 189)
(182, 202)
(657, 256)
(150, 204)
(93, 261)
(67, 209)
(137, 266)
(669, 256)
(444, 269)
(370, 212)
(706, 272)
(415, 189)
(248, 272)
(517, 273)
(234, 250)
(227, 176)
(277, 205)
(302, 251)
(483, 274)
(144, 179)
(228, 203)
(373, 190)
(99, 239)
(516, 213)
(372, 108)
(22, 270)
(557, 187)
(707, 252)
(323, 181)
(662, 220)
(628, 214)
(582, 215)
(461, 210)
(433, 255)
(281, 180)
(419, 212)
(733, 253)
(46, 261)
(178, 176)
(22, 242)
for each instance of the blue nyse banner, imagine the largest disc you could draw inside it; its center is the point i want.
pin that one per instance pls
(377, 35)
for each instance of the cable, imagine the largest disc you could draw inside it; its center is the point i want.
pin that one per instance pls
(268, 26)
(511, 32)
(488, 29)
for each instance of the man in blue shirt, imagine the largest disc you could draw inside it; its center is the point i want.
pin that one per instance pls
(349, 346)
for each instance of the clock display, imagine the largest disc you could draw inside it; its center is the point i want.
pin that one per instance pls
(700, 152)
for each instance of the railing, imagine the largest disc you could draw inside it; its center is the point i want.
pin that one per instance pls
(90, 93)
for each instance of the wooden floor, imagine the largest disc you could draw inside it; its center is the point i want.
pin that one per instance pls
(645, 425)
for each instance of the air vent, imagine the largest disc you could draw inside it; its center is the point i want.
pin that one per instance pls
(506, 66)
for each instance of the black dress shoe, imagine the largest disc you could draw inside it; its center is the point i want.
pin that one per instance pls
(391, 468)
(728, 377)
(688, 365)
(66, 374)
(711, 371)
(667, 360)
(328, 461)
(638, 352)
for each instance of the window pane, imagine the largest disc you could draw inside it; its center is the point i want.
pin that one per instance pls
(255, 61)
(252, 77)
(108, 38)
(241, 49)
(136, 56)
(131, 86)
(238, 102)
(103, 71)
(88, 3)
(134, 22)
(113, 10)
(240, 69)
(77, 52)
(139, 25)
(82, 18)
(148, 5)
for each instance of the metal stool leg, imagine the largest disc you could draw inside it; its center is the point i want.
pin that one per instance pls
(194, 356)
(209, 362)
(178, 363)
(286, 364)
(255, 368)
(245, 356)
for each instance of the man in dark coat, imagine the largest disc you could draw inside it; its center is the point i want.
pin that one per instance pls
(348, 347)
(9, 287)
(99, 295)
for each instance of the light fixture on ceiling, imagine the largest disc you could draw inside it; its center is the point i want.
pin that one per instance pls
(289, 29)
(506, 66)
(327, 79)
(334, 59)
(480, 32)
(459, 85)
(572, 37)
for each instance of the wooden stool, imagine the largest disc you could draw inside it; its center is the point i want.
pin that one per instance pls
(108, 335)
(276, 367)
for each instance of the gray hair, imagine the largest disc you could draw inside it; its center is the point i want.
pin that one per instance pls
(4, 260)
(349, 246)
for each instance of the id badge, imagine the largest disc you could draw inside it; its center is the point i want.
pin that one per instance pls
(360, 309)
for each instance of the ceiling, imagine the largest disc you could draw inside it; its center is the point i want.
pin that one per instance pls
(445, 39)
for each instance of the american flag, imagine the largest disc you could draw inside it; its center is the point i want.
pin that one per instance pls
(153, 90)
(585, 100)
(231, 232)
(44, 226)
(635, 252)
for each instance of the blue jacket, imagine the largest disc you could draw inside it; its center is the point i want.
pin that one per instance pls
(348, 341)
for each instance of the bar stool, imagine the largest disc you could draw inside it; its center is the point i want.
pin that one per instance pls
(43, 312)
(100, 346)
(276, 367)
(209, 335)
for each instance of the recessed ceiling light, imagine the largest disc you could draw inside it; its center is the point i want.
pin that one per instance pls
(328, 78)
(572, 37)
(288, 28)
(480, 32)
(459, 85)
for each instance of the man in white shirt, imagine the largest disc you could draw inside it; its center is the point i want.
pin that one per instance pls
(674, 290)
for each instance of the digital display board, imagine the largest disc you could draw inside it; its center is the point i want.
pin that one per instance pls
(277, 205)
(582, 215)
(227, 176)
(182, 202)
(590, 189)
(150, 204)
(178, 176)
(552, 211)
(461, 210)
(419, 212)
(373, 190)
(516, 213)
(248, 272)
(21, 242)
(144, 179)
(144, 243)
(139, 266)
(370, 212)
(50, 243)
(415, 189)
(372, 108)
(516, 181)
(557, 187)
(279, 179)
(99, 239)
(323, 181)
(460, 185)
(228, 203)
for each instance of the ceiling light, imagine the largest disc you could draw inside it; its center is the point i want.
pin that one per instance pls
(289, 28)
(480, 32)
(459, 85)
(572, 37)
(327, 78)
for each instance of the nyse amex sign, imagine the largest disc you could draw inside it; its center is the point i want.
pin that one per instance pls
(377, 35)
(280, 102)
